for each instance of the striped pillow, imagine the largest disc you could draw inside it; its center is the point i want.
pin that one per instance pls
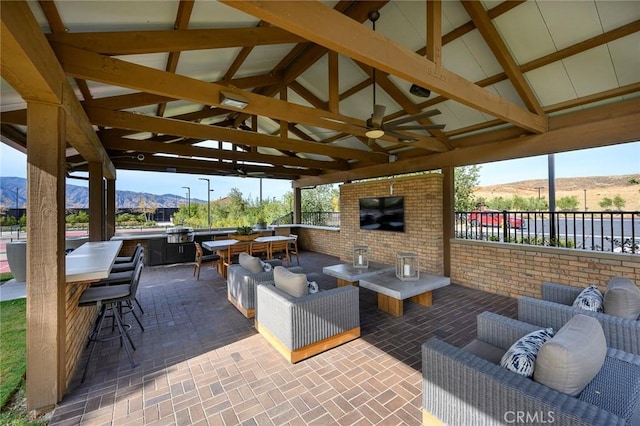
(521, 356)
(590, 299)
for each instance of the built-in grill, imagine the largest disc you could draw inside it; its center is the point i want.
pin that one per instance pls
(179, 234)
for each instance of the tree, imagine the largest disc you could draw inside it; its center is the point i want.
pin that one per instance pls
(606, 203)
(569, 203)
(465, 178)
(619, 202)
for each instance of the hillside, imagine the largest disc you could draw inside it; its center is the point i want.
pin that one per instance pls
(78, 196)
(597, 188)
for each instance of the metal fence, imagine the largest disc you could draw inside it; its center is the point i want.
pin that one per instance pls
(311, 218)
(617, 232)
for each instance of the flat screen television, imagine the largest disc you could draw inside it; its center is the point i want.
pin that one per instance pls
(382, 214)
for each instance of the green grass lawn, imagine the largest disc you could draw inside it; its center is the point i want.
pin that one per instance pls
(5, 276)
(13, 346)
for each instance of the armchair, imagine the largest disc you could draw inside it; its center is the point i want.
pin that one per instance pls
(554, 310)
(241, 285)
(462, 388)
(300, 327)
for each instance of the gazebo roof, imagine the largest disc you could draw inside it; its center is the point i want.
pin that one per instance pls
(509, 79)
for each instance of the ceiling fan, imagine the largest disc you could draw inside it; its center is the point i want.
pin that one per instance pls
(376, 127)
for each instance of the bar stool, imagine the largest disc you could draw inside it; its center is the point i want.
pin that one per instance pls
(128, 265)
(125, 259)
(109, 298)
(123, 277)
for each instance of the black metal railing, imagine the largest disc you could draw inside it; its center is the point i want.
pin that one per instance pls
(599, 231)
(321, 218)
(311, 218)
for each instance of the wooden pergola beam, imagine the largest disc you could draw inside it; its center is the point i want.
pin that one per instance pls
(140, 42)
(142, 123)
(347, 37)
(497, 45)
(579, 130)
(434, 32)
(28, 64)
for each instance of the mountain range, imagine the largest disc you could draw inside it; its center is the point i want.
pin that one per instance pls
(78, 196)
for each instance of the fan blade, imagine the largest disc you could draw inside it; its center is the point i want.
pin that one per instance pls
(400, 136)
(416, 127)
(378, 115)
(413, 117)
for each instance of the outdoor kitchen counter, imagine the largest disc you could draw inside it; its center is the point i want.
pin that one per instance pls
(91, 261)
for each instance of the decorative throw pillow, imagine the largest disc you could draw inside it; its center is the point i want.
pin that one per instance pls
(590, 299)
(250, 263)
(521, 356)
(313, 287)
(266, 266)
(289, 282)
(622, 298)
(573, 357)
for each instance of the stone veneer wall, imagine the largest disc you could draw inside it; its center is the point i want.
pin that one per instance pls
(423, 221)
(519, 270)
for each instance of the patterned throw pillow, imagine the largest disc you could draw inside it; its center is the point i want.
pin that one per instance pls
(266, 266)
(521, 356)
(313, 287)
(590, 299)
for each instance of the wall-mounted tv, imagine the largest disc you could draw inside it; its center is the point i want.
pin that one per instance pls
(382, 213)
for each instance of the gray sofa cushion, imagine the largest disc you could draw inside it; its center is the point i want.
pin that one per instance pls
(485, 350)
(250, 263)
(289, 282)
(573, 357)
(622, 298)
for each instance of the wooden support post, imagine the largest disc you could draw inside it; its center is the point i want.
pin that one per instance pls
(96, 202)
(46, 278)
(111, 209)
(297, 205)
(448, 216)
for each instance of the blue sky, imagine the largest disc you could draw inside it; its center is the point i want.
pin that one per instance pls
(614, 160)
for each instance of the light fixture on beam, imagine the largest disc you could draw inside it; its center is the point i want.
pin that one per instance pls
(233, 100)
(374, 133)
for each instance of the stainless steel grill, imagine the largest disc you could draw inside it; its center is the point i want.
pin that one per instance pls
(179, 234)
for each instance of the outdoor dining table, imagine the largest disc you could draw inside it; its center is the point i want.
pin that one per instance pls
(222, 245)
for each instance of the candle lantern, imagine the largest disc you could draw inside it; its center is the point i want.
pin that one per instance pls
(407, 266)
(360, 256)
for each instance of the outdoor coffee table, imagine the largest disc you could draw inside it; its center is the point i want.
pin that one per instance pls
(348, 275)
(392, 291)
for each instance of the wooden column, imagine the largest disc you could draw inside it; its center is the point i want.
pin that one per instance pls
(297, 205)
(111, 209)
(96, 202)
(448, 216)
(45, 255)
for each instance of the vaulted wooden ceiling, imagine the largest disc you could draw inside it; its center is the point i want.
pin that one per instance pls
(510, 79)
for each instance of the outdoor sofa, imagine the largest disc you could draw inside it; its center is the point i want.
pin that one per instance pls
(554, 310)
(303, 326)
(242, 282)
(462, 387)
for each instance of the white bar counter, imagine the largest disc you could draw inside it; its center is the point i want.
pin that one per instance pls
(91, 261)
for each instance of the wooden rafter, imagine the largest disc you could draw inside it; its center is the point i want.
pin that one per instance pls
(579, 130)
(30, 67)
(182, 21)
(501, 52)
(160, 125)
(334, 101)
(360, 43)
(434, 32)
(138, 42)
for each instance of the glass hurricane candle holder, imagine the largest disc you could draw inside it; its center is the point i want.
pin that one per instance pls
(407, 266)
(360, 256)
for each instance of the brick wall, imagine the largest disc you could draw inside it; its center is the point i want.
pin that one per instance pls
(519, 270)
(423, 223)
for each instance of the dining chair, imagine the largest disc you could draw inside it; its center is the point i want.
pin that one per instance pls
(201, 258)
(233, 252)
(280, 250)
(293, 247)
(259, 249)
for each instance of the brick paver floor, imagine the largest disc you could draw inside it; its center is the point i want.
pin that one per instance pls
(201, 362)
